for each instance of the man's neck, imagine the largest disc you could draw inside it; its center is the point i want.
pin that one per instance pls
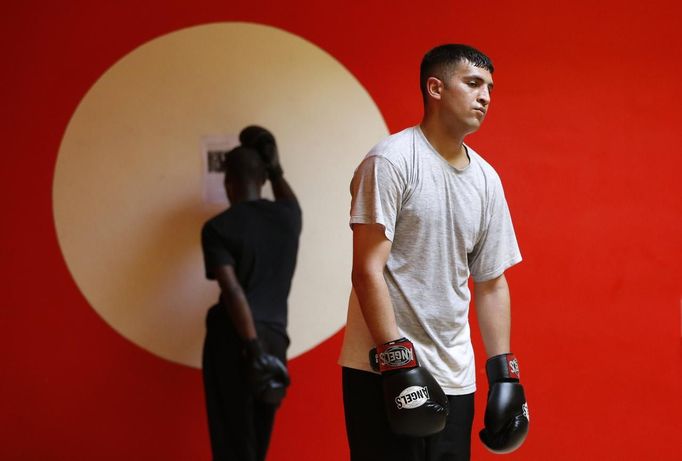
(448, 143)
(248, 193)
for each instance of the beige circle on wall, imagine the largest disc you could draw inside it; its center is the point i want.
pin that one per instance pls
(128, 186)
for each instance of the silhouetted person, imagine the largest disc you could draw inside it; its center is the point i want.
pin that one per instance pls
(250, 250)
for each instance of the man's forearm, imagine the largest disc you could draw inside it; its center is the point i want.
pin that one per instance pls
(240, 314)
(493, 308)
(376, 307)
(281, 189)
(233, 299)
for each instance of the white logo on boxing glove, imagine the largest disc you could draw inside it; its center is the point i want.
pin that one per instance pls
(524, 408)
(396, 356)
(412, 397)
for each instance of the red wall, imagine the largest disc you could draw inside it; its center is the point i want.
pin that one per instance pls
(585, 131)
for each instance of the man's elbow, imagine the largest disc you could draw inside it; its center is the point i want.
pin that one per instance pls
(492, 285)
(357, 278)
(363, 278)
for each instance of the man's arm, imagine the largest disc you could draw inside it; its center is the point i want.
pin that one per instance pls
(370, 253)
(280, 186)
(281, 189)
(267, 376)
(506, 414)
(263, 141)
(493, 308)
(233, 299)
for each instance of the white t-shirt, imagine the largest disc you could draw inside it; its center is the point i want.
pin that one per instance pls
(445, 224)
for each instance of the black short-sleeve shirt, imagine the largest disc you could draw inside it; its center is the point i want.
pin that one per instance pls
(260, 240)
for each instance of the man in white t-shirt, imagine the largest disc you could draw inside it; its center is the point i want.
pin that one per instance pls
(427, 213)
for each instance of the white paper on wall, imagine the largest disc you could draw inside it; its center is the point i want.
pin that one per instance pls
(213, 150)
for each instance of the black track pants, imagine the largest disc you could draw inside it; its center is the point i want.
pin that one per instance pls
(370, 438)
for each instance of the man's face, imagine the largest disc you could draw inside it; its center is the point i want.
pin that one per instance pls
(465, 97)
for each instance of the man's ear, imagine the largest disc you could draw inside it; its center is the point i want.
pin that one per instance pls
(434, 87)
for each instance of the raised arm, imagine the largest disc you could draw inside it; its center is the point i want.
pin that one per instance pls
(370, 253)
(281, 189)
(264, 142)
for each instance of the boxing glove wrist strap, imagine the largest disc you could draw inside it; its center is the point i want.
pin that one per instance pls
(503, 367)
(393, 355)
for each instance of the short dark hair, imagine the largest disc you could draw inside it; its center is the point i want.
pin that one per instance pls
(440, 62)
(243, 164)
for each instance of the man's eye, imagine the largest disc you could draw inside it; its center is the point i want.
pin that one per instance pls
(472, 83)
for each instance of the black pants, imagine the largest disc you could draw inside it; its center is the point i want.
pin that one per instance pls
(370, 438)
(239, 426)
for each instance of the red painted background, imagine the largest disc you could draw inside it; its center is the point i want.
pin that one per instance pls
(584, 129)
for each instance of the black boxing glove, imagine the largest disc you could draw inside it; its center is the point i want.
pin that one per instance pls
(415, 403)
(263, 141)
(506, 414)
(266, 374)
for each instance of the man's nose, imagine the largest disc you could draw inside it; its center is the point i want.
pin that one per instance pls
(484, 96)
